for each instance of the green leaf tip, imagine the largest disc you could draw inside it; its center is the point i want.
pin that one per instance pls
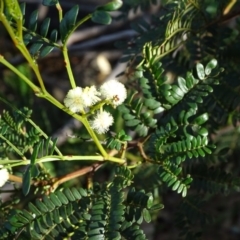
(49, 2)
(27, 181)
(111, 6)
(101, 17)
(68, 23)
(200, 71)
(210, 66)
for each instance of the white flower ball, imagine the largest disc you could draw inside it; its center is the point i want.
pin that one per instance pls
(115, 91)
(90, 96)
(73, 100)
(101, 122)
(4, 176)
(78, 99)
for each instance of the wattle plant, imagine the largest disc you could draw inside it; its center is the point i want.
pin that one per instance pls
(167, 130)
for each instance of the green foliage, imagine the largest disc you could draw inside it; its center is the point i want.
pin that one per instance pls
(117, 142)
(101, 14)
(13, 9)
(138, 113)
(40, 39)
(41, 149)
(101, 17)
(183, 90)
(13, 134)
(49, 2)
(68, 23)
(40, 44)
(100, 213)
(111, 6)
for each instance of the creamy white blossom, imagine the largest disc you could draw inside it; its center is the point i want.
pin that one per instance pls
(115, 91)
(90, 96)
(4, 176)
(78, 99)
(101, 122)
(73, 100)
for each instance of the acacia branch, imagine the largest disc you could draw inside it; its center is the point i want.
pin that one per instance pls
(75, 174)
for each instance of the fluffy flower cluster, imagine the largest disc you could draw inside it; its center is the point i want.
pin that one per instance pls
(114, 91)
(101, 122)
(4, 176)
(80, 99)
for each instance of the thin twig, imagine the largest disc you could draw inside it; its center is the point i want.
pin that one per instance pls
(75, 174)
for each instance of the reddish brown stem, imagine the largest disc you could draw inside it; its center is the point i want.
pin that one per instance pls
(75, 174)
